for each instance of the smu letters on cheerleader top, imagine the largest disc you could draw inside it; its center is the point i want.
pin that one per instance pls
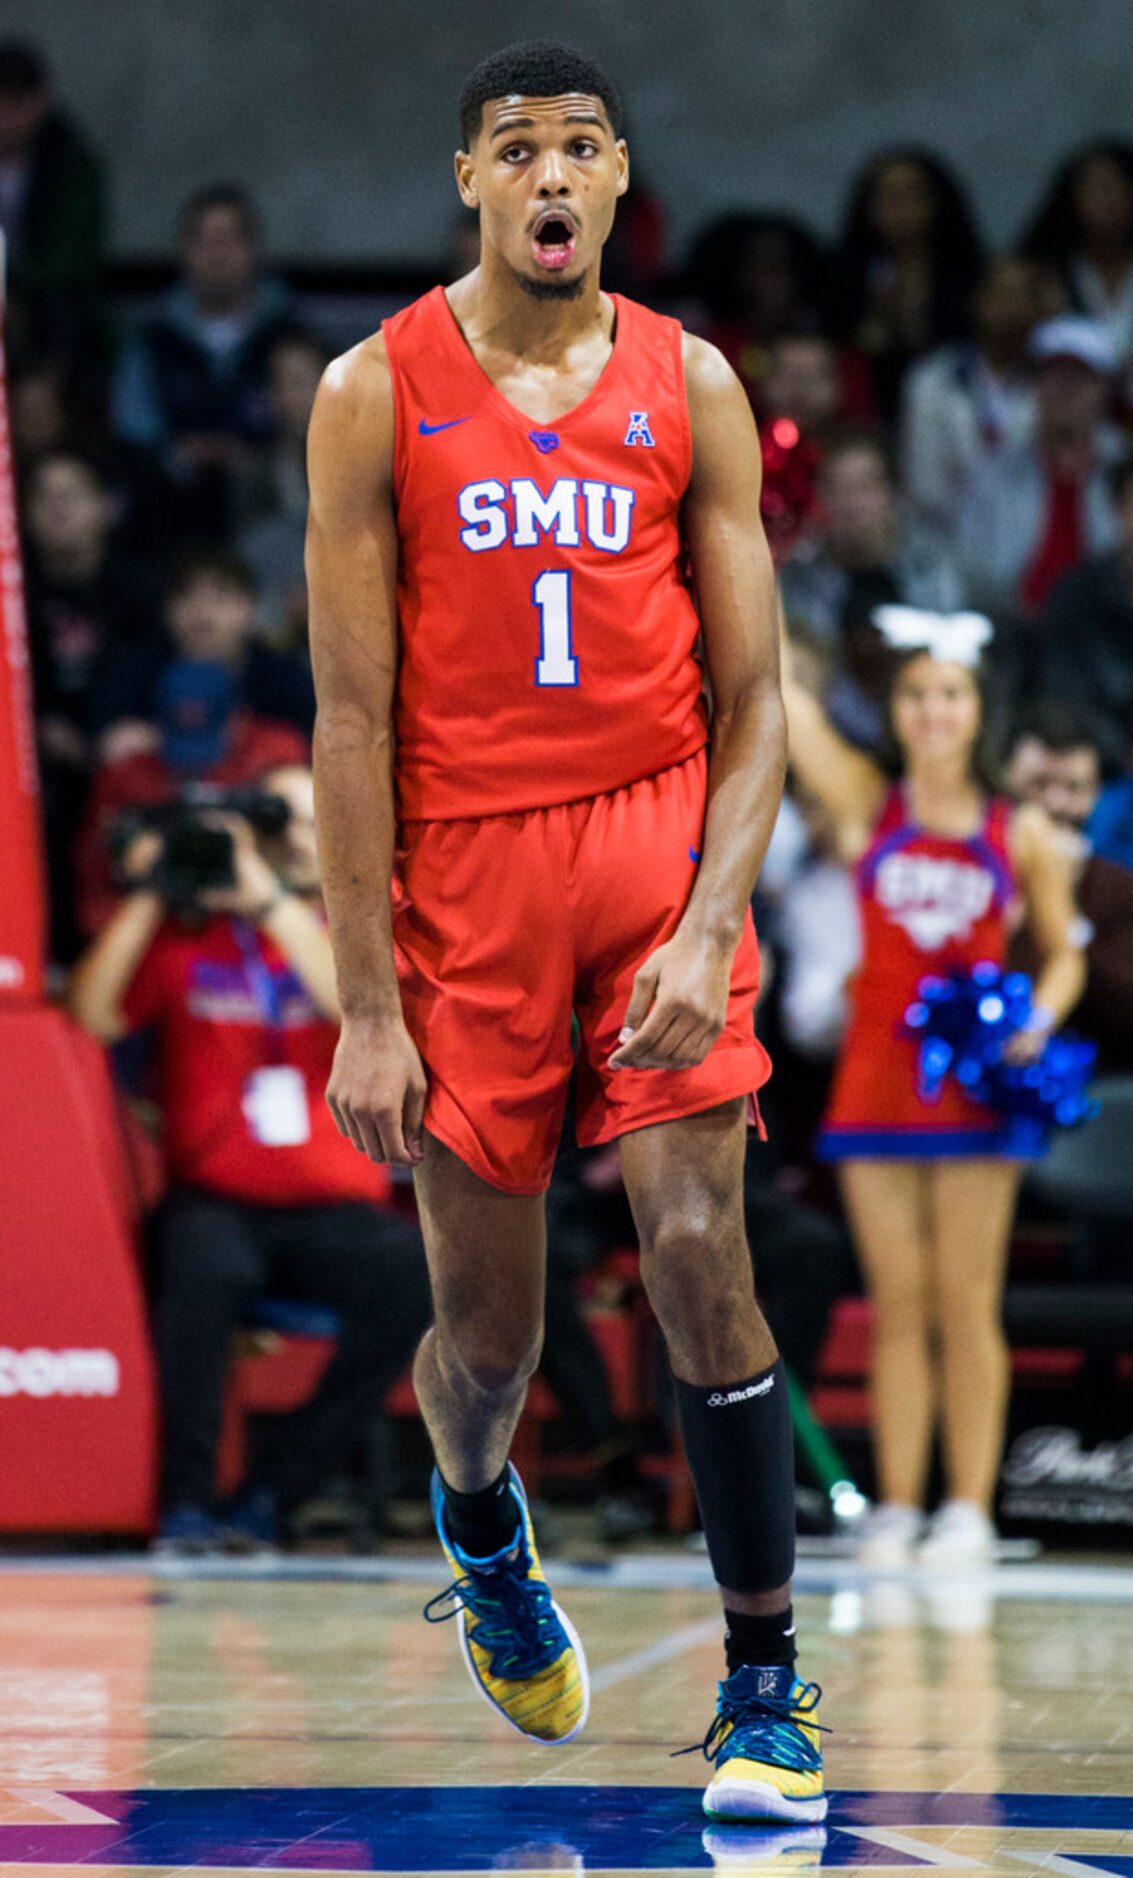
(926, 894)
(547, 628)
(933, 899)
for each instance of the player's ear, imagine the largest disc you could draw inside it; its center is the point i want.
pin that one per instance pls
(465, 170)
(622, 154)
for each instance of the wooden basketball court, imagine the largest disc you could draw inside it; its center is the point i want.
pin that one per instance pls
(301, 1717)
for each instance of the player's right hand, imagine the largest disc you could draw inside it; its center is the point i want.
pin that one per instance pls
(377, 1089)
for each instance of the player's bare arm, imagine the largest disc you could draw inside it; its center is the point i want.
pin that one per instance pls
(680, 996)
(377, 1089)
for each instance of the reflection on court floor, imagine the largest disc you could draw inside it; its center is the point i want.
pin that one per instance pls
(557, 1828)
(301, 1718)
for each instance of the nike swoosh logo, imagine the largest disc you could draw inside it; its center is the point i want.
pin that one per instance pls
(430, 430)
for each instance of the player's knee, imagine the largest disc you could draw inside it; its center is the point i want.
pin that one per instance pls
(697, 1272)
(496, 1364)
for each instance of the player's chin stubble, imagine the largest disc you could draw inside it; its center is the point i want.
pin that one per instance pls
(552, 289)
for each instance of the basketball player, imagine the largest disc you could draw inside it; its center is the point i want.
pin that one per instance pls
(529, 501)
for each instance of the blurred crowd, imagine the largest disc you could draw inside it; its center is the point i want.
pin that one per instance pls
(942, 425)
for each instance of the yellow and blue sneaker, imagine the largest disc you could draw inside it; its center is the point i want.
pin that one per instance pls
(764, 1747)
(522, 1651)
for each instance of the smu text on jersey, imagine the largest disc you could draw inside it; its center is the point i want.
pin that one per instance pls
(521, 515)
(547, 627)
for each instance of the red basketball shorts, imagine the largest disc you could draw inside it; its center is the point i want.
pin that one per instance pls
(510, 926)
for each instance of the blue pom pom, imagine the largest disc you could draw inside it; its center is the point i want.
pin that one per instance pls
(960, 1025)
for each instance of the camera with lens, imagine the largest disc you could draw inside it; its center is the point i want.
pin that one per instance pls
(197, 856)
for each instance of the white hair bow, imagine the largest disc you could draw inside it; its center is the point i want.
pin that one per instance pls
(954, 638)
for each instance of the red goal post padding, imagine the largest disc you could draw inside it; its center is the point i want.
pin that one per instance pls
(77, 1410)
(23, 901)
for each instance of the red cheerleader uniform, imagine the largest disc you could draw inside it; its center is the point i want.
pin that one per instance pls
(929, 904)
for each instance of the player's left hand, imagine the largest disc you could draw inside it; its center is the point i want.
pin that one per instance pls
(678, 1006)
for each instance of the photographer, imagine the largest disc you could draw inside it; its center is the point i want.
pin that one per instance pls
(221, 949)
(203, 737)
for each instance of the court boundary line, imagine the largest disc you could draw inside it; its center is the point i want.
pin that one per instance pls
(1031, 1582)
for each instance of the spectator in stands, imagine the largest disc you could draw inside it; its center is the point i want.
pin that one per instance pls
(1111, 825)
(1031, 513)
(85, 601)
(633, 260)
(271, 490)
(52, 211)
(1082, 236)
(752, 278)
(758, 276)
(801, 403)
(1087, 626)
(264, 1196)
(907, 267)
(971, 398)
(807, 917)
(200, 733)
(38, 417)
(192, 382)
(819, 941)
(1057, 757)
(802, 384)
(861, 553)
(84, 597)
(51, 411)
(210, 614)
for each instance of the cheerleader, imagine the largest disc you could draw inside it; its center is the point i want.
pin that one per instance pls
(942, 865)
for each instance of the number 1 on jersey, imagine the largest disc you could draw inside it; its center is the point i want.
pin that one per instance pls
(556, 664)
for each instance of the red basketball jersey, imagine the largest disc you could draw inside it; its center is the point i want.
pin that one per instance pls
(548, 635)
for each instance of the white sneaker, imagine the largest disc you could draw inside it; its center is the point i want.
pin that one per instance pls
(888, 1536)
(960, 1537)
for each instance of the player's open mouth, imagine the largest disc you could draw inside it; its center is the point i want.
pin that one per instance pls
(553, 242)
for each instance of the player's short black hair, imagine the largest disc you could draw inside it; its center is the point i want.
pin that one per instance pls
(534, 68)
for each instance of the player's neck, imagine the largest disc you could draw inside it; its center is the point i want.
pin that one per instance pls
(494, 310)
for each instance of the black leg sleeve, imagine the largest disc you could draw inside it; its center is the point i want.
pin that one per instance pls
(741, 1451)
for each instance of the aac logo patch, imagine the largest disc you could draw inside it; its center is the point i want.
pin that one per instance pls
(639, 431)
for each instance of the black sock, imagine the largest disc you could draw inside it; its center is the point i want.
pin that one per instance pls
(761, 1640)
(741, 1454)
(482, 1522)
